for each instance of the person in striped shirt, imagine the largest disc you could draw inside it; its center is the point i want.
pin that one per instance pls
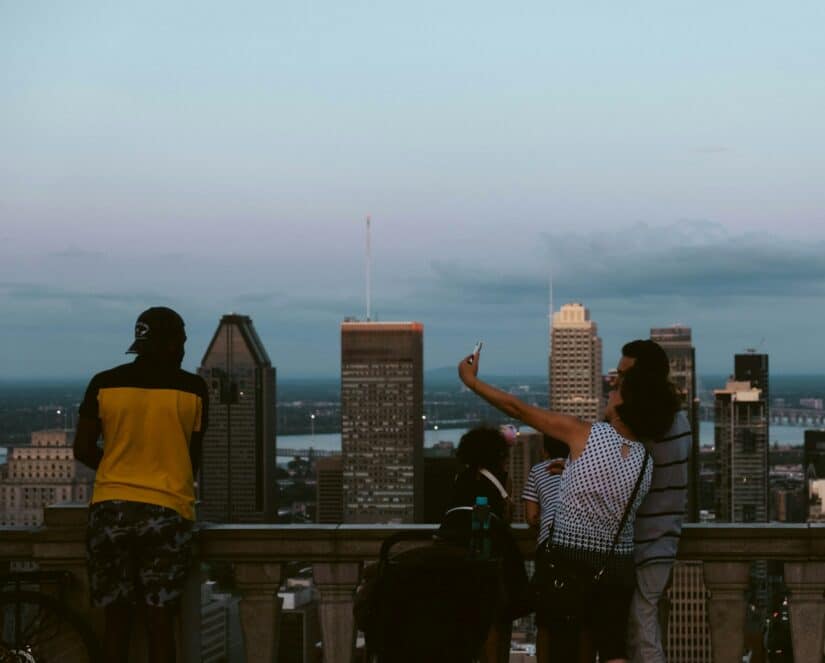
(541, 491)
(659, 518)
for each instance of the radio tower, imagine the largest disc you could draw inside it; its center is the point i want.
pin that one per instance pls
(369, 271)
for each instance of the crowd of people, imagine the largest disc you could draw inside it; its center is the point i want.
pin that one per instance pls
(606, 503)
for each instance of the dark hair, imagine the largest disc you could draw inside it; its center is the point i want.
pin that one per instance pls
(482, 447)
(555, 448)
(649, 356)
(649, 401)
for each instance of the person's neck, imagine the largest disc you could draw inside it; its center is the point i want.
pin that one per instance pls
(623, 430)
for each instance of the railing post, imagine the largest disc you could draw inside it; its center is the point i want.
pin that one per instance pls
(726, 582)
(336, 583)
(260, 609)
(806, 582)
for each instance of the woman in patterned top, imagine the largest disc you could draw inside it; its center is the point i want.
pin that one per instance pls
(606, 460)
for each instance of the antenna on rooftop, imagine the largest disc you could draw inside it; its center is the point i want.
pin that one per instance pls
(369, 271)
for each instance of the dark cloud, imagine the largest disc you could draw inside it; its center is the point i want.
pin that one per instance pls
(692, 260)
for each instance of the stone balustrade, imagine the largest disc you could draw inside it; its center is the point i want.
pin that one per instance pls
(338, 552)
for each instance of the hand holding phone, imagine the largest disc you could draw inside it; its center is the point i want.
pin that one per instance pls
(475, 351)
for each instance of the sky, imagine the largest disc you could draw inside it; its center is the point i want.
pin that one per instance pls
(662, 161)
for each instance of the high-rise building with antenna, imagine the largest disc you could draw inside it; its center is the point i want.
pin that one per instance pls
(237, 479)
(575, 363)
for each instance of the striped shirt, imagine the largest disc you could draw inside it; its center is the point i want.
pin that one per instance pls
(659, 520)
(542, 487)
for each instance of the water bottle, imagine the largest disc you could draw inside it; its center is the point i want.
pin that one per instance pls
(480, 546)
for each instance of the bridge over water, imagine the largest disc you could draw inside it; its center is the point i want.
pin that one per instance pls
(787, 416)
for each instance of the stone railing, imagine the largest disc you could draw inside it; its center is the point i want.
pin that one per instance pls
(338, 553)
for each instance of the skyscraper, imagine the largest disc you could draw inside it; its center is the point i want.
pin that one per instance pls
(753, 367)
(329, 490)
(677, 343)
(575, 363)
(237, 479)
(813, 466)
(742, 454)
(382, 430)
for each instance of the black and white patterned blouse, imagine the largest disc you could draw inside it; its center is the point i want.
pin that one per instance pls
(594, 491)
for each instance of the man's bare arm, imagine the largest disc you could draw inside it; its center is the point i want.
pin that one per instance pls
(85, 443)
(570, 430)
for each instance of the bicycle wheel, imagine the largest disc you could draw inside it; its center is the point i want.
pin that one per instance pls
(35, 628)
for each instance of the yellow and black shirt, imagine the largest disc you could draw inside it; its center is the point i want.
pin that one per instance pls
(148, 413)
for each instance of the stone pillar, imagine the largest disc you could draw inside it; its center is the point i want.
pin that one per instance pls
(806, 584)
(260, 609)
(336, 584)
(726, 583)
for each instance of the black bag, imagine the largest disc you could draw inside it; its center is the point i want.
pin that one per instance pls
(565, 586)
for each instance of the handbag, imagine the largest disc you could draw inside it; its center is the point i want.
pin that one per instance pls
(565, 587)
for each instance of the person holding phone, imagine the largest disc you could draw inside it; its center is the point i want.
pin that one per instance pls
(608, 459)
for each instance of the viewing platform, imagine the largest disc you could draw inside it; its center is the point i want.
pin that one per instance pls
(337, 554)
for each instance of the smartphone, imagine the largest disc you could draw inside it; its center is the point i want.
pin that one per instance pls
(475, 351)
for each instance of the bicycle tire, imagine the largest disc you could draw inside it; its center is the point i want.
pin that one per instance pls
(36, 628)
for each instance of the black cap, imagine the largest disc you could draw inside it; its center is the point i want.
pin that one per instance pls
(155, 325)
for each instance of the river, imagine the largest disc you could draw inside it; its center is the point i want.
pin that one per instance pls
(784, 435)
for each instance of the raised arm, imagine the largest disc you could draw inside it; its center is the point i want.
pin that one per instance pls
(569, 430)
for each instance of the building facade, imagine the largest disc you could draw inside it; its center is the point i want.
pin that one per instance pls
(382, 429)
(39, 475)
(237, 478)
(741, 441)
(677, 343)
(329, 490)
(575, 363)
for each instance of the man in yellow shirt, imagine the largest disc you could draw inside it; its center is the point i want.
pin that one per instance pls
(152, 417)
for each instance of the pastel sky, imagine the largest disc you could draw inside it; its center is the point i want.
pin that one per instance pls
(664, 160)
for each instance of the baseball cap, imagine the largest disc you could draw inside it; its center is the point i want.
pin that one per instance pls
(154, 325)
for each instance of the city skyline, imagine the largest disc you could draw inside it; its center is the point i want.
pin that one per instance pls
(658, 169)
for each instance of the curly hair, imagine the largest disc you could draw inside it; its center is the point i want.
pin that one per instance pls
(482, 447)
(649, 402)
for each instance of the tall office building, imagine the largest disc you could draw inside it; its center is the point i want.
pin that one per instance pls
(742, 453)
(813, 465)
(575, 363)
(752, 367)
(237, 479)
(39, 475)
(439, 478)
(677, 343)
(382, 430)
(329, 489)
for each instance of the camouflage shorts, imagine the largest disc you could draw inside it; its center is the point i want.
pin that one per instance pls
(137, 553)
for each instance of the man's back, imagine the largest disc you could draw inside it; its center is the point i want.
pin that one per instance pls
(659, 520)
(148, 412)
